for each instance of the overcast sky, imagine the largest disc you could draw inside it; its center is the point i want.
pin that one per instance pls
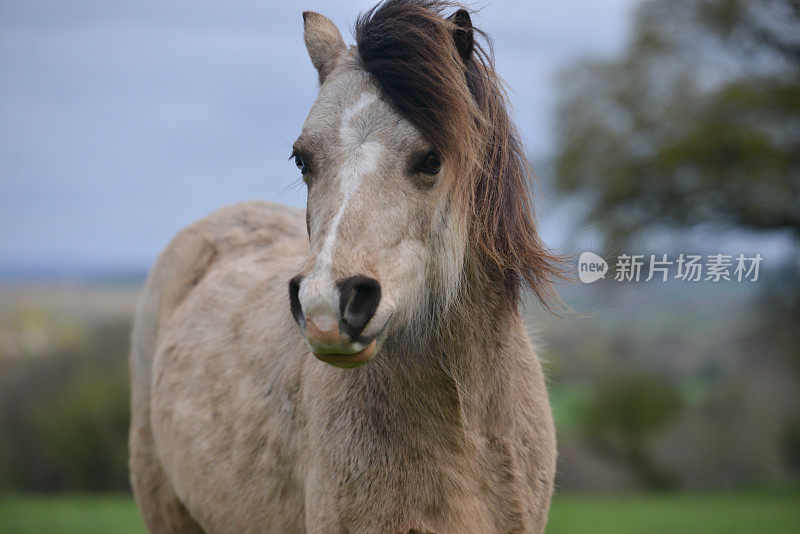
(124, 121)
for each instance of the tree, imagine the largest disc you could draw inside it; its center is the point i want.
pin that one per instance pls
(697, 123)
(624, 414)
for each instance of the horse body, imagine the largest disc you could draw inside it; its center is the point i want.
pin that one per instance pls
(254, 434)
(237, 426)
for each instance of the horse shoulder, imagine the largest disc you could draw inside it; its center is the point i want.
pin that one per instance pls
(187, 258)
(531, 440)
(190, 258)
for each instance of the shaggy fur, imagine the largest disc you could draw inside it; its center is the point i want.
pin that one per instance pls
(236, 427)
(460, 106)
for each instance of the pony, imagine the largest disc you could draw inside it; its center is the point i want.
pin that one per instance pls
(362, 366)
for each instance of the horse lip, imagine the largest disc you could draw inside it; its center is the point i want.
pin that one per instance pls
(353, 359)
(350, 360)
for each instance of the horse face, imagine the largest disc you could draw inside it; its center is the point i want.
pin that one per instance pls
(373, 218)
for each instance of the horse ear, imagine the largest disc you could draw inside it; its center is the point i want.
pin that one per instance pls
(323, 42)
(462, 34)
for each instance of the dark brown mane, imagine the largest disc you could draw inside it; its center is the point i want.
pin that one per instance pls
(460, 105)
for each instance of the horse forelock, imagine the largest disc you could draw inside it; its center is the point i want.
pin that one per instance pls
(460, 106)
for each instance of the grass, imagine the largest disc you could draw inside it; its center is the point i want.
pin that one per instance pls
(68, 514)
(650, 514)
(678, 513)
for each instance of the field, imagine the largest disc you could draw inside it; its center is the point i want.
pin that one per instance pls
(709, 514)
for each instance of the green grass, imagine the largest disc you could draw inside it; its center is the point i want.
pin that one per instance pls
(69, 514)
(678, 513)
(646, 514)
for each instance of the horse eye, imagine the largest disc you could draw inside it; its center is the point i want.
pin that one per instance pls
(301, 164)
(431, 164)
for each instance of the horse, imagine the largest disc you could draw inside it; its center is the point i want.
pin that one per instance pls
(362, 366)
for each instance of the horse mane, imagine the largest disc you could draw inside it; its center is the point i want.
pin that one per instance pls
(461, 107)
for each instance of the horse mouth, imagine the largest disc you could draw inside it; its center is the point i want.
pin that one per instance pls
(348, 361)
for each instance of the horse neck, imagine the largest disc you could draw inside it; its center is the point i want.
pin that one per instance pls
(459, 358)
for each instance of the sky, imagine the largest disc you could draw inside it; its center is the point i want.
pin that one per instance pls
(121, 122)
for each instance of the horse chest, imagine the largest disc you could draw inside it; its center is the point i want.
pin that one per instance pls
(230, 439)
(396, 472)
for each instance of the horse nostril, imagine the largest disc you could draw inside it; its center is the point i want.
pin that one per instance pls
(358, 299)
(294, 300)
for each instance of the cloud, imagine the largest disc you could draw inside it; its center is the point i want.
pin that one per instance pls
(122, 121)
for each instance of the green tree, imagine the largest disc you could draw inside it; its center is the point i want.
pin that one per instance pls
(698, 122)
(624, 414)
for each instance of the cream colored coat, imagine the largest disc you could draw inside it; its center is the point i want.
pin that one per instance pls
(237, 427)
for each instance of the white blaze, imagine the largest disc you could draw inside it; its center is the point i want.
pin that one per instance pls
(317, 293)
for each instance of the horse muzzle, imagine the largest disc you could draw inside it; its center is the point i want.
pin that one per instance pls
(335, 333)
